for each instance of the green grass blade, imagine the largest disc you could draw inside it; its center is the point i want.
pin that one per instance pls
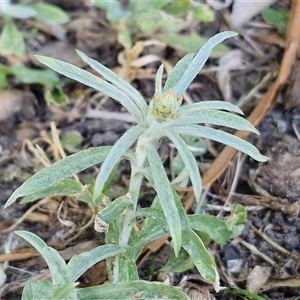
(93, 81)
(211, 104)
(199, 60)
(189, 161)
(165, 194)
(59, 171)
(214, 117)
(222, 137)
(116, 80)
(114, 156)
(57, 266)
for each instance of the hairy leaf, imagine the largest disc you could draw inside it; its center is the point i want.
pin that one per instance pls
(222, 137)
(60, 170)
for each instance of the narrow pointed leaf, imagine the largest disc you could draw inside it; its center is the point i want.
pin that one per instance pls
(222, 137)
(66, 187)
(66, 291)
(165, 195)
(214, 117)
(139, 289)
(202, 259)
(158, 80)
(57, 266)
(116, 80)
(178, 71)
(155, 232)
(93, 81)
(60, 170)
(49, 13)
(150, 212)
(127, 269)
(212, 104)
(80, 263)
(114, 209)
(189, 161)
(199, 60)
(114, 156)
(153, 227)
(12, 40)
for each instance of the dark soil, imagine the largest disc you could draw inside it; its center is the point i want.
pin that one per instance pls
(268, 248)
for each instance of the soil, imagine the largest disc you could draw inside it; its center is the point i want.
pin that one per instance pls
(267, 251)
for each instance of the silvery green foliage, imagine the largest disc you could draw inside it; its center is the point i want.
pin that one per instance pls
(164, 116)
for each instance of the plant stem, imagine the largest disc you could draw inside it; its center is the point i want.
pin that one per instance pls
(135, 183)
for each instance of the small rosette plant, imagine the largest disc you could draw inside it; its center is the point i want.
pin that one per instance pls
(164, 116)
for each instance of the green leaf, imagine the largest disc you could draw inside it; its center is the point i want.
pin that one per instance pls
(222, 137)
(56, 95)
(214, 227)
(139, 289)
(153, 228)
(152, 213)
(60, 170)
(178, 71)
(249, 295)
(239, 214)
(183, 262)
(139, 6)
(277, 18)
(214, 117)
(177, 7)
(66, 291)
(189, 43)
(57, 266)
(199, 60)
(158, 80)
(184, 221)
(203, 13)
(236, 220)
(114, 209)
(18, 11)
(93, 81)
(127, 270)
(165, 194)
(158, 22)
(202, 259)
(189, 161)
(212, 104)
(3, 80)
(125, 38)
(41, 289)
(113, 78)
(114, 156)
(66, 187)
(11, 40)
(71, 140)
(27, 75)
(80, 263)
(115, 11)
(49, 13)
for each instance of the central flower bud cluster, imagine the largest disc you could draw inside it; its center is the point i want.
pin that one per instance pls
(167, 104)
